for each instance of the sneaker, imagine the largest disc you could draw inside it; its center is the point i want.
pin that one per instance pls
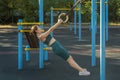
(84, 73)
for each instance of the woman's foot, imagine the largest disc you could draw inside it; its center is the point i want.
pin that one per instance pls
(84, 73)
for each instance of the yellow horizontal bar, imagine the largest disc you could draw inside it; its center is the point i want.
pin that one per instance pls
(28, 49)
(29, 23)
(47, 48)
(65, 9)
(22, 31)
(25, 31)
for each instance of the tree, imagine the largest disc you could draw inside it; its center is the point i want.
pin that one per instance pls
(11, 10)
(6, 10)
(114, 11)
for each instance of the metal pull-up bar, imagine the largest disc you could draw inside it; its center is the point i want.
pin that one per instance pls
(30, 23)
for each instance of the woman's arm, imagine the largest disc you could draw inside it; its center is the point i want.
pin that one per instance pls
(51, 29)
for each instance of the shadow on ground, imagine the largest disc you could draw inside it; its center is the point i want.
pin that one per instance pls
(56, 68)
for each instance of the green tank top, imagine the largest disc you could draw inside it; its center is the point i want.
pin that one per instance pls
(48, 38)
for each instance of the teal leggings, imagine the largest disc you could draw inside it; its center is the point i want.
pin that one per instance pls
(59, 50)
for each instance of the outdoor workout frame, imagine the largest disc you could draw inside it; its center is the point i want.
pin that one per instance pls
(41, 56)
(103, 33)
(28, 48)
(75, 18)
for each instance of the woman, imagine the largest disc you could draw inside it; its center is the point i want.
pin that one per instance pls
(57, 48)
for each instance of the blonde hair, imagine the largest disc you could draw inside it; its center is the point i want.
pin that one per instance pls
(33, 28)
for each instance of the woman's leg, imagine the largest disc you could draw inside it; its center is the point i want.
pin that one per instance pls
(82, 72)
(59, 50)
(73, 64)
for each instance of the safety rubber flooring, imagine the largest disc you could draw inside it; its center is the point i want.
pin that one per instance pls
(56, 68)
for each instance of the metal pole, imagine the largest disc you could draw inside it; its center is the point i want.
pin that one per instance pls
(93, 33)
(96, 17)
(51, 18)
(20, 49)
(75, 30)
(70, 26)
(41, 59)
(79, 19)
(41, 12)
(45, 53)
(102, 40)
(27, 53)
(106, 20)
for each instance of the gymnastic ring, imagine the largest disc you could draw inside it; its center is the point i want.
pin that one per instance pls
(63, 14)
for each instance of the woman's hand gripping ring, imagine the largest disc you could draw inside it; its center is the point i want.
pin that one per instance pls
(63, 14)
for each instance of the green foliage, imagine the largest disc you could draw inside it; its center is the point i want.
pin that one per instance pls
(86, 11)
(114, 10)
(6, 10)
(27, 9)
(11, 10)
